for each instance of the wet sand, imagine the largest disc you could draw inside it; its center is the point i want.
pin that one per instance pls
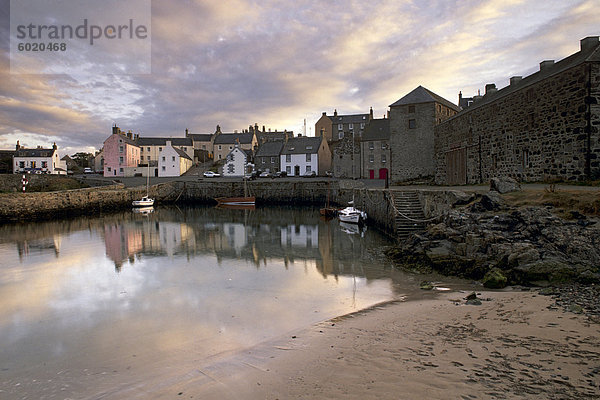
(514, 345)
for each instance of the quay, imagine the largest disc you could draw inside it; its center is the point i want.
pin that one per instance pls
(396, 211)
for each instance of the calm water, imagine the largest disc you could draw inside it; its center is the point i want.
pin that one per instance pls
(96, 303)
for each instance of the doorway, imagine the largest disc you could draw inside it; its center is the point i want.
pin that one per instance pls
(383, 173)
(297, 170)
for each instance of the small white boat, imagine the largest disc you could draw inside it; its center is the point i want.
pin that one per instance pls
(143, 210)
(144, 202)
(352, 215)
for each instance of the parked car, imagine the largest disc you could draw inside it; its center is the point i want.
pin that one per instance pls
(310, 174)
(210, 174)
(265, 174)
(88, 171)
(280, 174)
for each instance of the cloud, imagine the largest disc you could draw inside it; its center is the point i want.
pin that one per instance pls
(274, 63)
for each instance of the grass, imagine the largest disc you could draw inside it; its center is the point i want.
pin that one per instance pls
(565, 201)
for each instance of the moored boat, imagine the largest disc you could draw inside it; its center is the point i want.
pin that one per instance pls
(352, 215)
(236, 201)
(144, 202)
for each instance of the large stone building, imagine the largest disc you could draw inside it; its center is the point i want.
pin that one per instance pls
(412, 122)
(541, 127)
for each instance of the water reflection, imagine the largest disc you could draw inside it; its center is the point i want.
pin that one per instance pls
(127, 291)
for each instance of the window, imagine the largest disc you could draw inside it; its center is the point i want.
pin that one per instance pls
(219, 149)
(142, 149)
(108, 169)
(120, 149)
(173, 158)
(340, 135)
(163, 158)
(148, 158)
(288, 158)
(147, 148)
(288, 170)
(21, 164)
(340, 127)
(371, 158)
(383, 145)
(160, 149)
(164, 168)
(308, 157)
(184, 148)
(263, 160)
(230, 147)
(362, 125)
(308, 147)
(44, 164)
(439, 108)
(383, 158)
(308, 169)
(371, 146)
(351, 126)
(412, 123)
(120, 170)
(203, 147)
(120, 160)
(230, 168)
(272, 160)
(411, 109)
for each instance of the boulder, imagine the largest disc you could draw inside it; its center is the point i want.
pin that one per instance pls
(504, 185)
(494, 279)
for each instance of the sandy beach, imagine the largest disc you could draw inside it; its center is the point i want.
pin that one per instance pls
(513, 345)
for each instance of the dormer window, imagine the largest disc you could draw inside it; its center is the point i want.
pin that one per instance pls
(308, 147)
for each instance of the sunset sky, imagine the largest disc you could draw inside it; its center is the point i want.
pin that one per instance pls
(276, 63)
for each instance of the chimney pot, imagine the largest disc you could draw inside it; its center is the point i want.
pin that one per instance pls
(490, 88)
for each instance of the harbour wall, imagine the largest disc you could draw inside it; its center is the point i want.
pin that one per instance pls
(376, 202)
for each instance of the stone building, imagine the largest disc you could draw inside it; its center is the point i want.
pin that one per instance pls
(541, 127)
(412, 122)
(151, 147)
(375, 150)
(120, 152)
(223, 143)
(346, 157)
(267, 156)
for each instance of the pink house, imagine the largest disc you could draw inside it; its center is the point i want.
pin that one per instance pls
(120, 152)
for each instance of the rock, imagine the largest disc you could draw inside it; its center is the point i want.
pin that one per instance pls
(576, 308)
(471, 296)
(426, 285)
(504, 185)
(474, 302)
(495, 279)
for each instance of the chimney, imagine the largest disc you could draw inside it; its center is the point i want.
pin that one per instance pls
(218, 131)
(371, 113)
(256, 127)
(263, 129)
(115, 129)
(18, 146)
(589, 42)
(545, 64)
(335, 112)
(490, 88)
(129, 134)
(515, 79)
(187, 133)
(168, 143)
(54, 146)
(324, 113)
(459, 97)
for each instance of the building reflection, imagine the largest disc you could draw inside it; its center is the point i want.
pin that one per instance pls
(257, 236)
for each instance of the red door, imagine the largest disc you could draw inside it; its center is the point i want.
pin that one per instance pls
(383, 173)
(371, 174)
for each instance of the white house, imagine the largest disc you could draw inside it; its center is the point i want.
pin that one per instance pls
(38, 161)
(235, 162)
(303, 155)
(173, 161)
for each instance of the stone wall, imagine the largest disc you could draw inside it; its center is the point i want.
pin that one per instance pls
(534, 133)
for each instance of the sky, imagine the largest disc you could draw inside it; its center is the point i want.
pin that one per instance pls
(277, 63)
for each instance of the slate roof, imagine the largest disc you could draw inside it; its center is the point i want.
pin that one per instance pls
(268, 136)
(162, 141)
(377, 129)
(270, 149)
(349, 119)
(34, 153)
(201, 137)
(298, 145)
(125, 139)
(182, 153)
(423, 95)
(230, 138)
(591, 54)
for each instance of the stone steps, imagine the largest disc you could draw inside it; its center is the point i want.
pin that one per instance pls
(411, 216)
